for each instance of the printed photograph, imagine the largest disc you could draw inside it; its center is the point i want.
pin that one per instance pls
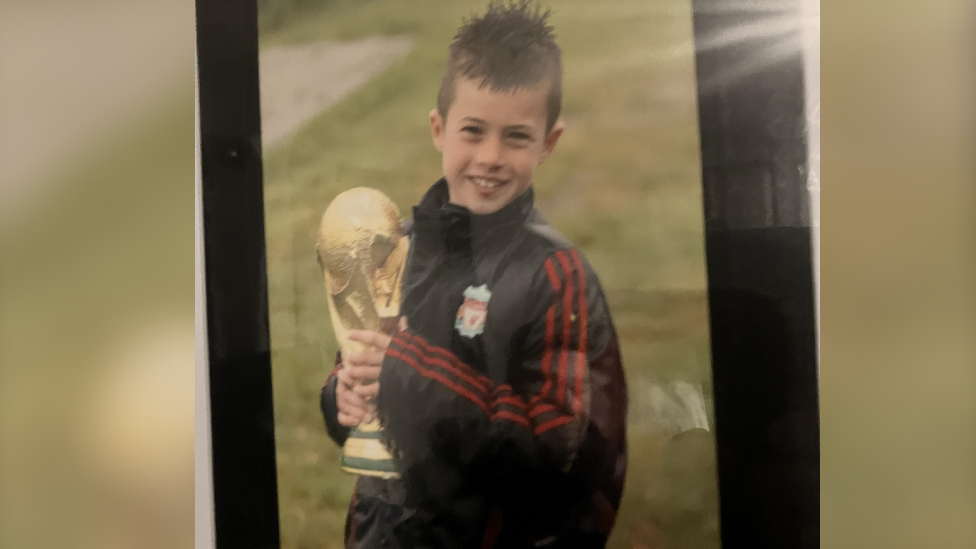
(486, 274)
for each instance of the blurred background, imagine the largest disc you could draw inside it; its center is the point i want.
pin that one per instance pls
(346, 87)
(898, 356)
(96, 307)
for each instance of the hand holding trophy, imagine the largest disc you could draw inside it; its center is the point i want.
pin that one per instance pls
(362, 252)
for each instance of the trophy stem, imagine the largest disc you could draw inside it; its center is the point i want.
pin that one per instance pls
(364, 453)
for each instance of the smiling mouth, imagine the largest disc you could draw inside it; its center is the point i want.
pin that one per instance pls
(486, 183)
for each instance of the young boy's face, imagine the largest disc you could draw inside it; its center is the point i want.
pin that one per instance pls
(491, 142)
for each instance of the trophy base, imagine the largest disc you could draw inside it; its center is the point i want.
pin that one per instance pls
(364, 453)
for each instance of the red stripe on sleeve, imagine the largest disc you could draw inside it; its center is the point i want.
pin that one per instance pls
(567, 328)
(550, 343)
(581, 355)
(514, 401)
(505, 414)
(492, 529)
(483, 381)
(505, 393)
(552, 424)
(500, 414)
(503, 388)
(433, 361)
(553, 276)
(547, 353)
(442, 379)
(541, 409)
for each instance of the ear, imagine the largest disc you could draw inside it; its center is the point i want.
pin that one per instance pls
(437, 129)
(550, 143)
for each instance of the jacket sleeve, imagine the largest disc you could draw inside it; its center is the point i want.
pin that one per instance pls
(520, 439)
(327, 403)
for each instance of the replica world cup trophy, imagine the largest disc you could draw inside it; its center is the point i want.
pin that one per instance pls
(362, 251)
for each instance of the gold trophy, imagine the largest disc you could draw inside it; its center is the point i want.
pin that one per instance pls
(362, 251)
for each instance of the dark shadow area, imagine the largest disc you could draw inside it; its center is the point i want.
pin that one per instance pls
(244, 478)
(761, 291)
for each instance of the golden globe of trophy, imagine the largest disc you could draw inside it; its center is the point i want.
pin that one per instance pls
(362, 252)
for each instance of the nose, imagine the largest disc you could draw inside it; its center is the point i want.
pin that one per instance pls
(490, 152)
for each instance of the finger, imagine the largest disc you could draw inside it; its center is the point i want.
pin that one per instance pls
(367, 391)
(366, 358)
(403, 324)
(364, 374)
(349, 420)
(346, 381)
(376, 339)
(351, 403)
(354, 400)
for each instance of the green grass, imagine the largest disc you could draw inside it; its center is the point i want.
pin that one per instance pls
(623, 184)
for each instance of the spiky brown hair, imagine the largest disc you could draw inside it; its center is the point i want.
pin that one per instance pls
(510, 47)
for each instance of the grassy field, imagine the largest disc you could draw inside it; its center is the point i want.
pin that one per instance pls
(623, 184)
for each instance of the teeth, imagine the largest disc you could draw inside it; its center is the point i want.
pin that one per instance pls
(484, 183)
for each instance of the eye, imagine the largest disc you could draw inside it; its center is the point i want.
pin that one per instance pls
(473, 130)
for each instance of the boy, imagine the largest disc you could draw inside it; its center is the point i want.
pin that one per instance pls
(502, 398)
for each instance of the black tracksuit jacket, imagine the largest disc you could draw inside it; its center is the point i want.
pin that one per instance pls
(512, 437)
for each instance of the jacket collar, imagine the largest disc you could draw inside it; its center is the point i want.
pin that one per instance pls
(436, 212)
(442, 227)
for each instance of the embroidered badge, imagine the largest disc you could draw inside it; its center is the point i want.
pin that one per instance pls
(473, 312)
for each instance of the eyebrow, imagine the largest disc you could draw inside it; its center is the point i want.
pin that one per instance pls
(517, 127)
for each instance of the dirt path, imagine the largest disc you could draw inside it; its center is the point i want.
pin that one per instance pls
(299, 82)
